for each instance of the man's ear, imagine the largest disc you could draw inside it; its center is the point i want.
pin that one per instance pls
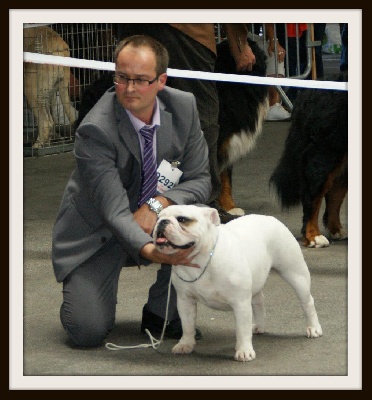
(162, 80)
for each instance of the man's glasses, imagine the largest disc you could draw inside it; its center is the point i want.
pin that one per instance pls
(123, 80)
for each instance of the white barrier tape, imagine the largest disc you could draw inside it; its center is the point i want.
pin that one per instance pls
(38, 58)
(179, 73)
(257, 80)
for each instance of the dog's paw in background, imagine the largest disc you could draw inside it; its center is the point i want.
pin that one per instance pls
(236, 211)
(317, 241)
(245, 355)
(340, 235)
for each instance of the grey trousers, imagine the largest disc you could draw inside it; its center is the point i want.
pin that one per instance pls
(90, 295)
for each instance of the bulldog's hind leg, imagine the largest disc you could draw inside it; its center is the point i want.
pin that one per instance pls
(259, 314)
(298, 276)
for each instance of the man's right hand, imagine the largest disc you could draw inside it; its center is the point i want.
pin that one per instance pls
(181, 257)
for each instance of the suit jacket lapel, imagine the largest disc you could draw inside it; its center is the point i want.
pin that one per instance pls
(127, 133)
(164, 134)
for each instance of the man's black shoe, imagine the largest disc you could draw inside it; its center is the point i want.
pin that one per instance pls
(155, 325)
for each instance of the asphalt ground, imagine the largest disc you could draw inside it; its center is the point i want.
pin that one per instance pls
(41, 357)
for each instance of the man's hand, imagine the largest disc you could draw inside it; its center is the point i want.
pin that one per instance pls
(244, 59)
(181, 257)
(145, 218)
(240, 50)
(280, 50)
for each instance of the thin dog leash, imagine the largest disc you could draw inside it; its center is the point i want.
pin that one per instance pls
(155, 343)
(209, 260)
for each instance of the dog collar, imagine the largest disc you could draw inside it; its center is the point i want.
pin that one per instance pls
(209, 260)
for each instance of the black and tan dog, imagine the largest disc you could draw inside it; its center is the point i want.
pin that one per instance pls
(242, 111)
(314, 164)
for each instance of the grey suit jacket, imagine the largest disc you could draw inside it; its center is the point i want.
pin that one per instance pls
(102, 192)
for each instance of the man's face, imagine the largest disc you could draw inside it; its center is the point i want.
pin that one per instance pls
(138, 98)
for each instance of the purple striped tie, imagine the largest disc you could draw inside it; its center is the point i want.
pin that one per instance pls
(149, 166)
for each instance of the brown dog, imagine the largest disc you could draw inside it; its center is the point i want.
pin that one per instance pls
(43, 81)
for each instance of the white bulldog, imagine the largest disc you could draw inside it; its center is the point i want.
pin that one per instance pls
(234, 260)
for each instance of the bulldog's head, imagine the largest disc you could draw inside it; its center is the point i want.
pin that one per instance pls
(182, 226)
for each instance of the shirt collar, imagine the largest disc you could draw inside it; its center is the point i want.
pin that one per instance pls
(138, 124)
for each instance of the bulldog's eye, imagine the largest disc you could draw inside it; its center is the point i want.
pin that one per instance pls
(182, 220)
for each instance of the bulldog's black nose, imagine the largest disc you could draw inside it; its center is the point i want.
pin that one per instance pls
(162, 224)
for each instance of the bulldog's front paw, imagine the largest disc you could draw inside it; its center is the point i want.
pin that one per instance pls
(314, 332)
(245, 355)
(183, 348)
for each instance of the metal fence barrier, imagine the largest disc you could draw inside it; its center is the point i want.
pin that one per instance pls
(52, 93)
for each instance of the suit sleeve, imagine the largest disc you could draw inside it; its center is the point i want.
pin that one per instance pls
(97, 166)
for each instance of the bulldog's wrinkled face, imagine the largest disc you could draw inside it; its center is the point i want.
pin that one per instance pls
(180, 227)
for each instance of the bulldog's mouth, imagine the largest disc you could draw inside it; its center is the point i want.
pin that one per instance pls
(162, 241)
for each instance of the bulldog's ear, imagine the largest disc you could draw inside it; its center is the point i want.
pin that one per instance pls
(214, 216)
